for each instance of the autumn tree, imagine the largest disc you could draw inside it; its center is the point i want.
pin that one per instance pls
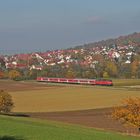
(105, 74)
(14, 74)
(111, 68)
(1, 74)
(70, 73)
(6, 103)
(134, 68)
(129, 113)
(99, 70)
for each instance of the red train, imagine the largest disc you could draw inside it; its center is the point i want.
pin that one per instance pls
(102, 82)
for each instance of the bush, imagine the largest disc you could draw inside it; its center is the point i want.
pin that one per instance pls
(6, 103)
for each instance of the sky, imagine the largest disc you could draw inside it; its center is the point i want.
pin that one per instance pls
(41, 25)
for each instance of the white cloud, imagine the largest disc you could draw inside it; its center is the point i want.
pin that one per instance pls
(94, 19)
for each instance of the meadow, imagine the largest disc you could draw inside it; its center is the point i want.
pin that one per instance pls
(14, 128)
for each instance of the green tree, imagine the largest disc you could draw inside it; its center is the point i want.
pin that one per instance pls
(125, 71)
(33, 74)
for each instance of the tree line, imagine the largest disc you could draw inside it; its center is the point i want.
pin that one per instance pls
(105, 69)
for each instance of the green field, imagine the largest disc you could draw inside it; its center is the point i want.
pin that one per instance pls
(30, 129)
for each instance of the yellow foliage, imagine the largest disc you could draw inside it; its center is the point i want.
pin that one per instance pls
(111, 68)
(6, 103)
(105, 75)
(129, 113)
(70, 74)
(13, 74)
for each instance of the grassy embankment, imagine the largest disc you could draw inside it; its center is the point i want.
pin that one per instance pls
(30, 129)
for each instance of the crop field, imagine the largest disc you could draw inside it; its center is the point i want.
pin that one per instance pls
(70, 97)
(89, 106)
(126, 82)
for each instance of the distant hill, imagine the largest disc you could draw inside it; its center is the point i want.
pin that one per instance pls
(133, 39)
(118, 57)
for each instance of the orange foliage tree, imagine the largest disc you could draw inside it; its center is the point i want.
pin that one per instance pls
(129, 113)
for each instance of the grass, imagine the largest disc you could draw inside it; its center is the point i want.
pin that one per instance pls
(69, 98)
(13, 128)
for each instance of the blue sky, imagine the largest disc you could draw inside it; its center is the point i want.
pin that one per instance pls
(40, 25)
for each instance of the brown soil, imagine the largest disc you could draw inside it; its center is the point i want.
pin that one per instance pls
(97, 118)
(10, 85)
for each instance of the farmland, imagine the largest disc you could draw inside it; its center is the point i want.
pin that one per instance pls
(89, 106)
(47, 98)
(68, 98)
